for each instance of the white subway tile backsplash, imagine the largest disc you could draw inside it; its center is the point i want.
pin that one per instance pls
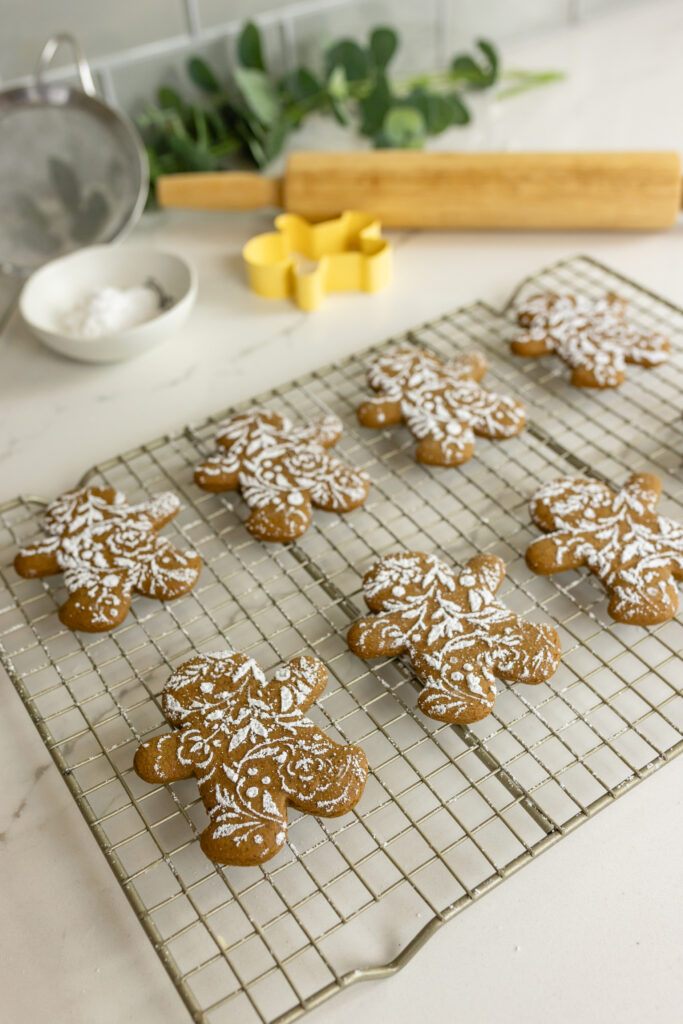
(102, 27)
(471, 19)
(217, 12)
(415, 22)
(140, 44)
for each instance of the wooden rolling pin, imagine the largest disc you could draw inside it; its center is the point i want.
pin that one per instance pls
(453, 190)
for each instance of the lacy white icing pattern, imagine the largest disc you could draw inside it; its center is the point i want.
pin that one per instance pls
(458, 636)
(282, 471)
(443, 404)
(252, 750)
(107, 549)
(591, 337)
(634, 552)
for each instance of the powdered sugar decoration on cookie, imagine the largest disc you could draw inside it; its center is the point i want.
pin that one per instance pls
(252, 750)
(634, 552)
(282, 471)
(107, 549)
(443, 404)
(592, 337)
(458, 636)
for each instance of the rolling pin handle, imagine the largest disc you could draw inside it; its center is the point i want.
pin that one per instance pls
(221, 190)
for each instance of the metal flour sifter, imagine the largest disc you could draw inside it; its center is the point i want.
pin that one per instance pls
(73, 172)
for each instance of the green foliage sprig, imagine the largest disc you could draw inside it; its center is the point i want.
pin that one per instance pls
(246, 120)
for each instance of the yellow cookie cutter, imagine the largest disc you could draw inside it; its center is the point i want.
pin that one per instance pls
(350, 250)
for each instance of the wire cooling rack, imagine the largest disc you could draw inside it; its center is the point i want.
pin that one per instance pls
(448, 812)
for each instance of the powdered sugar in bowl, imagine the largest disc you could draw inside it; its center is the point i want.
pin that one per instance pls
(109, 303)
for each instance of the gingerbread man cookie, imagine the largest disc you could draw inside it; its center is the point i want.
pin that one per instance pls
(458, 636)
(282, 471)
(252, 751)
(635, 553)
(591, 337)
(107, 549)
(443, 404)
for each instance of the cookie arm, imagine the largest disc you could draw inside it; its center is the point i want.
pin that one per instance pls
(219, 473)
(488, 571)
(554, 553)
(156, 760)
(298, 683)
(38, 559)
(468, 365)
(378, 636)
(528, 344)
(325, 431)
(646, 488)
(380, 411)
(162, 508)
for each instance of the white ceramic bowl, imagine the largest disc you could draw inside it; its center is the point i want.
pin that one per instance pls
(56, 288)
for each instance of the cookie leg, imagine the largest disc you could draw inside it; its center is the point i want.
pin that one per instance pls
(169, 573)
(322, 777)
(499, 418)
(338, 488)
(96, 607)
(643, 598)
(250, 844)
(532, 657)
(282, 520)
(454, 692)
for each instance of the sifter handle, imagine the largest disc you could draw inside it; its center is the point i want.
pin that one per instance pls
(48, 53)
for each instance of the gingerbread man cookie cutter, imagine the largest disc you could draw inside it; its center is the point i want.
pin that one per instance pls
(350, 252)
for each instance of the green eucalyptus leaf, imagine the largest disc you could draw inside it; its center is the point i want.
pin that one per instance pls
(303, 84)
(383, 45)
(477, 76)
(249, 48)
(191, 155)
(202, 75)
(404, 127)
(435, 109)
(337, 84)
(274, 140)
(168, 99)
(339, 111)
(260, 94)
(491, 54)
(348, 55)
(375, 106)
(459, 112)
(64, 180)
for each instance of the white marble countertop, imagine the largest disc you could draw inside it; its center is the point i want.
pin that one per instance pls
(593, 931)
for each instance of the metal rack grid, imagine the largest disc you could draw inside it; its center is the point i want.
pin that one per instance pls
(448, 812)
